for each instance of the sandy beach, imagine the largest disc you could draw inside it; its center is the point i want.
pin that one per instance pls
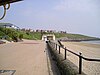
(88, 50)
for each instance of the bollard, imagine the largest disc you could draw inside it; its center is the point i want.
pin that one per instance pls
(80, 63)
(65, 53)
(59, 49)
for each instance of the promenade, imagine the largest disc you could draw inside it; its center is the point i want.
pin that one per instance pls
(25, 58)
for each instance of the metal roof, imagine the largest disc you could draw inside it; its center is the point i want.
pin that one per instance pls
(2, 2)
(8, 25)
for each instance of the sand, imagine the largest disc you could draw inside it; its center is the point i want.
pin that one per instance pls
(87, 50)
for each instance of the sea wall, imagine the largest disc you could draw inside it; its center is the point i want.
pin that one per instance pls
(66, 67)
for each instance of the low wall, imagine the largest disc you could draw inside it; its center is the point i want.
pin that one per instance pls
(66, 67)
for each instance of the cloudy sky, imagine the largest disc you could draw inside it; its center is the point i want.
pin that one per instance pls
(73, 16)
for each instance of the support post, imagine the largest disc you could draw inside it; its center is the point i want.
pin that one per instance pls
(56, 46)
(65, 53)
(59, 49)
(80, 63)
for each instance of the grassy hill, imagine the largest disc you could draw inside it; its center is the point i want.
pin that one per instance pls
(12, 34)
(73, 36)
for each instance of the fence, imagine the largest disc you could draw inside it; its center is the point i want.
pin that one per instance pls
(58, 47)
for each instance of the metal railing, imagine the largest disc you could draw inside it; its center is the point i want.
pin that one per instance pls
(58, 47)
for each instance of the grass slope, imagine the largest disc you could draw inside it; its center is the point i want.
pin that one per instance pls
(37, 35)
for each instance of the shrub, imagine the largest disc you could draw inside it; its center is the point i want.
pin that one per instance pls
(20, 36)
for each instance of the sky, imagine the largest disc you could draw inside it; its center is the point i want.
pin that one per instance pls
(72, 16)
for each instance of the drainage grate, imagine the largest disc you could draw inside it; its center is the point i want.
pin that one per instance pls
(7, 72)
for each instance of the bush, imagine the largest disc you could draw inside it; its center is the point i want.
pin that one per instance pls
(20, 36)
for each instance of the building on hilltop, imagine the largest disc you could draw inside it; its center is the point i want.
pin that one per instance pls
(9, 25)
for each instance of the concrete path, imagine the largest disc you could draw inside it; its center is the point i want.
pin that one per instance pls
(26, 58)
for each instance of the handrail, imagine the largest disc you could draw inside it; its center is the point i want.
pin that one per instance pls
(79, 55)
(85, 58)
(88, 59)
(72, 52)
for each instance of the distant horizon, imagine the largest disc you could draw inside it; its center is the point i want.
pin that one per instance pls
(73, 16)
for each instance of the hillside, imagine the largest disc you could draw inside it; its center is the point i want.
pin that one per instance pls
(74, 37)
(12, 34)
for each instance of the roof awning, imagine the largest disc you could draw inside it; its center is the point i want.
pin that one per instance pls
(2, 2)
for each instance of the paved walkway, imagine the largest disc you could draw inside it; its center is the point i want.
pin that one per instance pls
(27, 58)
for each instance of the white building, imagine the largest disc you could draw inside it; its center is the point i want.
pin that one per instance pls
(47, 37)
(9, 25)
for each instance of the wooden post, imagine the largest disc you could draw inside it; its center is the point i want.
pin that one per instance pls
(80, 63)
(65, 53)
(59, 49)
(56, 46)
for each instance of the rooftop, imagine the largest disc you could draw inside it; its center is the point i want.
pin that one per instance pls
(2, 2)
(9, 25)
